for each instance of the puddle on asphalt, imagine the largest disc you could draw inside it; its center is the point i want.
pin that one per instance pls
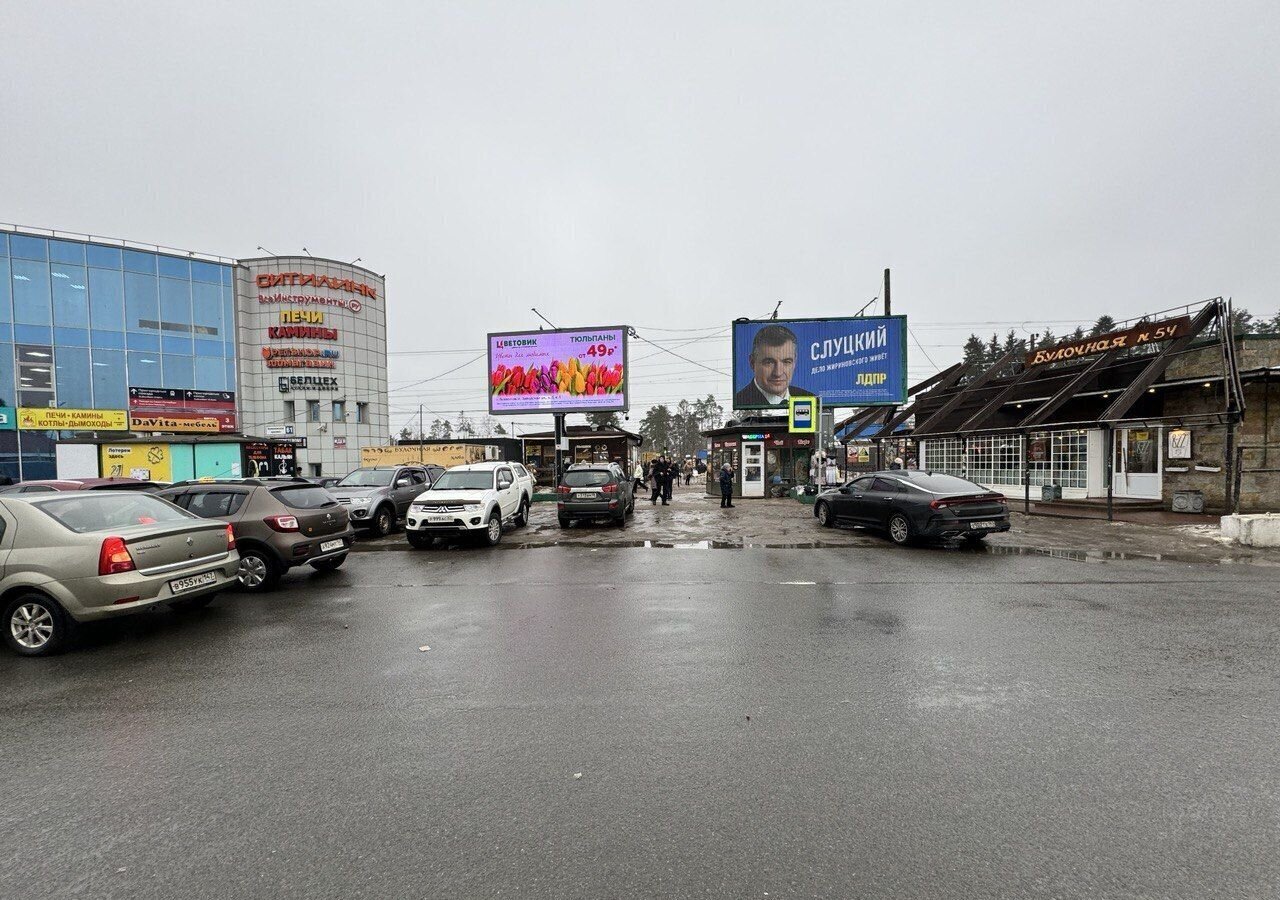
(945, 547)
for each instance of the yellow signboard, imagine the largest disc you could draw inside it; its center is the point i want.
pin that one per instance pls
(208, 425)
(149, 462)
(40, 418)
(436, 454)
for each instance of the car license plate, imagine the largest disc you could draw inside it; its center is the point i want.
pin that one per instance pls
(439, 518)
(178, 585)
(982, 524)
(326, 546)
(586, 495)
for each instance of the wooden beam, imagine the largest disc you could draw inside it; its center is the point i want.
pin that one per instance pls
(991, 406)
(1147, 377)
(1068, 390)
(975, 385)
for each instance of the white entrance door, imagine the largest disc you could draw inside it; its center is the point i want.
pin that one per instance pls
(752, 469)
(1137, 464)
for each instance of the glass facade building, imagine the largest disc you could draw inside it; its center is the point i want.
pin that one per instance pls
(82, 321)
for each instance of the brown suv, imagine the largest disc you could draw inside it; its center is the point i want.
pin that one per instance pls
(278, 524)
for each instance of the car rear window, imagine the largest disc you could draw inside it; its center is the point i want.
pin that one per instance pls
(944, 484)
(94, 511)
(589, 478)
(210, 504)
(304, 497)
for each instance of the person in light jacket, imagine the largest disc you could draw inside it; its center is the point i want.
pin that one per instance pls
(726, 486)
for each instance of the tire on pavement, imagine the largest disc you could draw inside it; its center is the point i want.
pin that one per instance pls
(258, 571)
(826, 518)
(35, 625)
(421, 541)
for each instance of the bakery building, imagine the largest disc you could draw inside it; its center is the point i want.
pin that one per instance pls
(1171, 412)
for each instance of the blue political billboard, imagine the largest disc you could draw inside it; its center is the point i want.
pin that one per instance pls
(843, 362)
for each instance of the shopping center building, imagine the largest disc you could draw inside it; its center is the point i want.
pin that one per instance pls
(106, 339)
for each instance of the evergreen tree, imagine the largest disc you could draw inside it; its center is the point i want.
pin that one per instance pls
(437, 429)
(1078, 334)
(1241, 322)
(446, 430)
(1102, 326)
(656, 427)
(975, 351)
(605, 421)
(1047, 339)
(406, 433)
(500, 430)
(993, 350)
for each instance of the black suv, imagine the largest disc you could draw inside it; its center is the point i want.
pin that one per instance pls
(594, 491)
(278, 524)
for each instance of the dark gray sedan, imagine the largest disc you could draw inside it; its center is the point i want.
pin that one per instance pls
(909, 505)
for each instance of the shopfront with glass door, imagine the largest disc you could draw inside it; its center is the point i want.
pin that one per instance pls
(1136, 473)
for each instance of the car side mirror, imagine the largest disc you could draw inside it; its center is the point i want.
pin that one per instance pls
(844, 490)
(403, 482)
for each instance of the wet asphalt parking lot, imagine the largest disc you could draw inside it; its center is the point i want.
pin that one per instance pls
(630, 722)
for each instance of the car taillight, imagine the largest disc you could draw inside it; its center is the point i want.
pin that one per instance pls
(562, 489)
(114, 557)
(939, 504)
(231, 539)
(282, 523)
(609, 489)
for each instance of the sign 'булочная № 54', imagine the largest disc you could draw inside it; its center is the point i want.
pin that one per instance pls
(1142, 333)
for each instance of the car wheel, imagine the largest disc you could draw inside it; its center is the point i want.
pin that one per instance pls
(825, 518)
(900, 529)
(384, 521)
(329, 565)
(189, 603)
(420, 541)
(565, 522)
(492, 533)
(258, 571)
(34, 625)
(620, 519)
(522, 515)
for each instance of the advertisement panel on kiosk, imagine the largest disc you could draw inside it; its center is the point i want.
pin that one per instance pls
(842, 362)
(566, 370)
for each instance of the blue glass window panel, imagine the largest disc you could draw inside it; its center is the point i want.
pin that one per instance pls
(226, 274)
(175, 301)
(144, 369)
(209, 348)
(110, 387)
(203, 271)
(137, 340)
(106, 299)
(141, 302)
(172, 344)
(6, 335)
(231, 375)
(70, 295)
(103, 257)
(228, 313)
(7, 392)
(23, 247)
(4, 244)
(174, 267)
(178, 371)
(37, 451)
(108, 340)
(210, 375)
(33, 334)
(71, 337)
(66, 252)
(206, 307)
(31, 303)
(71, 368)
(6, 292)
(137, 261)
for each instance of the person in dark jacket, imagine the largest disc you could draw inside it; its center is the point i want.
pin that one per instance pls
(726, 487)
(658, 472)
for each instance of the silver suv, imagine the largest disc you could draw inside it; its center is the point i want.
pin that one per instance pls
(378, 497)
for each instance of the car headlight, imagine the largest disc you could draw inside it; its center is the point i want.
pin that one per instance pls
(359, 501)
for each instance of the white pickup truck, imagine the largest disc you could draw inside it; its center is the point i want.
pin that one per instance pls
(476, 499)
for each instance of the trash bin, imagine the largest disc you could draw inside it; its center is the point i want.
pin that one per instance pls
(1188, 501)
(1050, 492)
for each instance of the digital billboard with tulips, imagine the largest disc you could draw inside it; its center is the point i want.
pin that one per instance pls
(563, 371)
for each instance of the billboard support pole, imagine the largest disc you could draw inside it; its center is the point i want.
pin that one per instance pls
(420, 434)
(888, 305)
(559, 433)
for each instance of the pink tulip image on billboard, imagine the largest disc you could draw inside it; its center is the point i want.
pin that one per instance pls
(561, 371)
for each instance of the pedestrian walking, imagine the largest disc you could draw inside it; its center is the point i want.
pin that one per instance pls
(657, 471)
(688, 472)
(670, 474)
(638, 478)
(726, 486)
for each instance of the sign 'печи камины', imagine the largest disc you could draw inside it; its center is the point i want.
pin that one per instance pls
(1143, 333)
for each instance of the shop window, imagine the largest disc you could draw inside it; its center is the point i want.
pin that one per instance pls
(339, 411)
(313, 410)
(362, 413)
(109, 388)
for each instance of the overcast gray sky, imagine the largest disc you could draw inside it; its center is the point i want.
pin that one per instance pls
(669, 166)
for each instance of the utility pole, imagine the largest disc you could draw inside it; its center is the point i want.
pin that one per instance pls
(420, 432)
(888, 305)
(560, 438)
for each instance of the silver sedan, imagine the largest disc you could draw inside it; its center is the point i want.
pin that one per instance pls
(79, 556)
